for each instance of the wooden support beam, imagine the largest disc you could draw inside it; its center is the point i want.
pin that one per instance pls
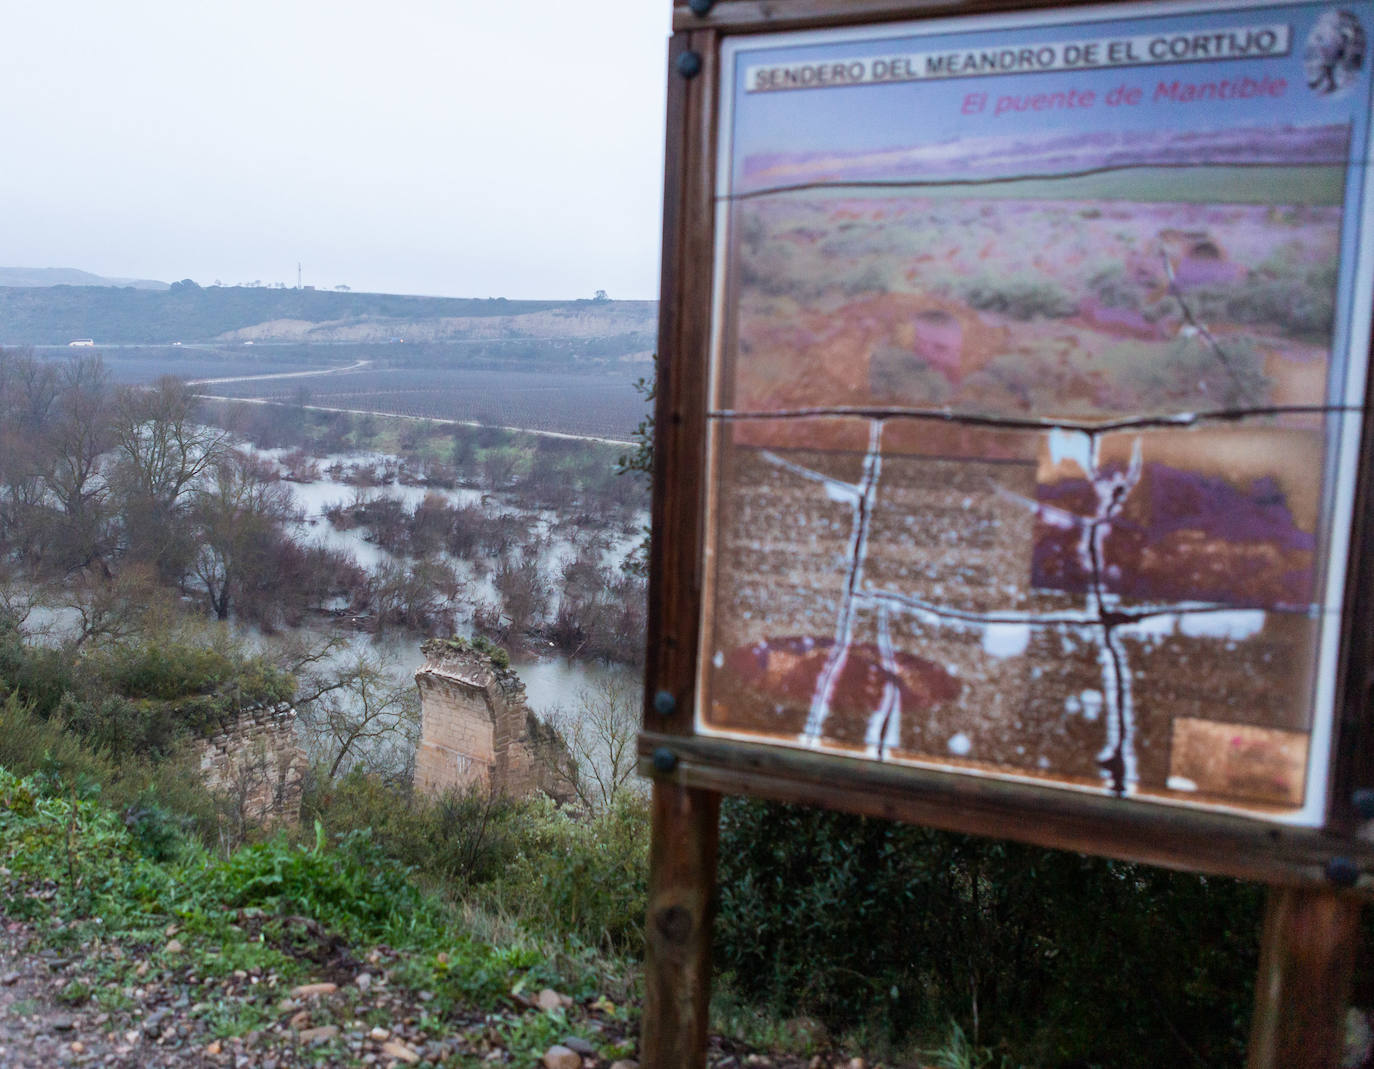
(677, 967)
(771, 16)
(1306, 961)
(1125, 828)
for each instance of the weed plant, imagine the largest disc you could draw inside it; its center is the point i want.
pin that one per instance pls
(455, 842)
(584, 879)
(1049, 958)
(154, 795)
(560, 875)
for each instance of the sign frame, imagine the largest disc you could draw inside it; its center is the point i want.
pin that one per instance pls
(1333, 861)
(1187, 839)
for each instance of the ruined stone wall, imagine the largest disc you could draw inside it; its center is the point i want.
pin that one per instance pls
(457, 745)
(478, 730)
(256, 763)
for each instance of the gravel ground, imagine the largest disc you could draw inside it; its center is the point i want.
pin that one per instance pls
(313, 1024)
(36, 1031)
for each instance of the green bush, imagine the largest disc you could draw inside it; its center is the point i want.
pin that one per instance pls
(1302, 303)
(1296, 298)
(353, 889)
(30, 744)
(112, 724)
(196, 685)
(457, 643)
(584, 878)
(138, 700)
(1187, 369)
(458, 840)
(556, 873)
(897, 930)
(38, 675)
(29, 741)
(158, 833)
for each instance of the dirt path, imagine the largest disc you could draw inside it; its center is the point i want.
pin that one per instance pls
(339, 370)
(38, 1031)
(162, 1029)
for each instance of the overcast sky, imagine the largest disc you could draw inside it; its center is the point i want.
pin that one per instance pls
(450, 147)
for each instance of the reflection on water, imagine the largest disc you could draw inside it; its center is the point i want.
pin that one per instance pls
(557, 682)
(550, 682)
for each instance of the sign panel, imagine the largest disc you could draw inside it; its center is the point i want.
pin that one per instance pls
(1035, 396)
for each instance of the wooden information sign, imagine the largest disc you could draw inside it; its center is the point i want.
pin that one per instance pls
(1012, 460)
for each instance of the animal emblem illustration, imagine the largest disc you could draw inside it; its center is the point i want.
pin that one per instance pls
(1334, 55)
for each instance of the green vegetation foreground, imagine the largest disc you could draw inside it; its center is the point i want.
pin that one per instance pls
(287, 953)
(836, 933)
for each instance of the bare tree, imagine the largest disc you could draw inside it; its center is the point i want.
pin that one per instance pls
(359, 716)
(524, 591)
(22, 492)
(420, 595)
(128, 604)
(239, 511)
(28, 395)
(77, 438)
(28, 390)
(601, 728)
(600, 610)
(162, 453)
(254, 790)
(17, 600)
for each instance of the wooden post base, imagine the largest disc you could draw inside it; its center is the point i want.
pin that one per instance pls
(682, 883)
(1306, 960)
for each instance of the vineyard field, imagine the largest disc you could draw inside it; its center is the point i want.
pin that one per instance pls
(147, 364)
(595, 405)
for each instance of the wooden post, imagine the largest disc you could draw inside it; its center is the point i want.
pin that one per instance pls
(1306, 960)
(682, 886)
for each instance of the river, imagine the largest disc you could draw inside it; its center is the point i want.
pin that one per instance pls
(550, 680)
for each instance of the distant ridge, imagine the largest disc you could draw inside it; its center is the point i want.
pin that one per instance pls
(1015, 155)
(235, 315)
(69, 276)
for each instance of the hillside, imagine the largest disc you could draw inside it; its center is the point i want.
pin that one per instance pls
(116, 954)
(185, 312)
(69, 276)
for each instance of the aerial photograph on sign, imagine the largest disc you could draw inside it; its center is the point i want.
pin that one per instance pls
(1035, 398)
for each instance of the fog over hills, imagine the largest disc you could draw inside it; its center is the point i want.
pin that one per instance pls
(69, 276)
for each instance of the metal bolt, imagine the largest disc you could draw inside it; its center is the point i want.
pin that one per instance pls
(664, 759)
(1342, 872)
(1363, 801)
(689, 64)
(665, 705)
(701, 8)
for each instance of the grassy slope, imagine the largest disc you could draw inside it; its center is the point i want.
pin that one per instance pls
(55, 315)
(234, 935)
